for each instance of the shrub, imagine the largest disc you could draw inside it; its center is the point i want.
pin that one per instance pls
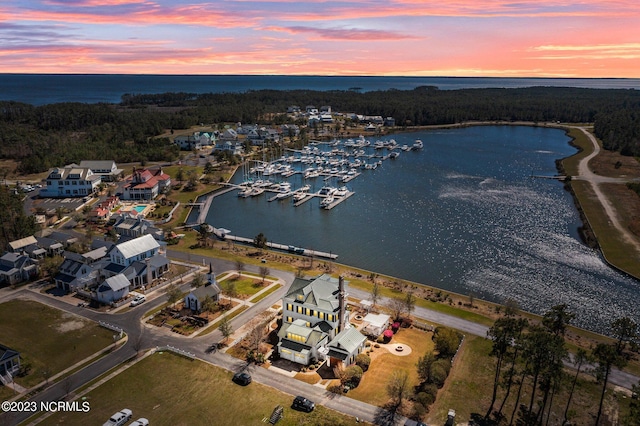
(387, 335)
(431, 391)
(445, 364)
(363, 361)
(351, 376)
(395, 326)
(425, 398)
(438, 375)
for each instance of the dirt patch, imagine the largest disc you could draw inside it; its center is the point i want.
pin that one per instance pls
(70, 325)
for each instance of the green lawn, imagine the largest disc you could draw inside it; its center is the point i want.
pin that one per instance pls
(190, 393)
(265, 294)
(245, 286)
(48, 339)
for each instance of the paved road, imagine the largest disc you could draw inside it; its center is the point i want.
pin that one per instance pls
(130, 322)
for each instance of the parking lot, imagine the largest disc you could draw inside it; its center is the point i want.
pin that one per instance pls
(54, 203)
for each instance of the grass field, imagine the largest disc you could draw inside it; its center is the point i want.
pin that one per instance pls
(372, 388)
(470, 383)
(190, 393)
(48, 339)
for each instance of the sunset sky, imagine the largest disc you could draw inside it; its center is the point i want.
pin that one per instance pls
(336, 37)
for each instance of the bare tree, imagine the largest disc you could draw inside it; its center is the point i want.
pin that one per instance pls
(138, 343)
(397, 307)
(398, 387)
(264, 271)
(240, 266)
(375, 293)
(225, 327)
(67, 385)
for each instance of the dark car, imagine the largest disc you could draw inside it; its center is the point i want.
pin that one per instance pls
(303, 404)
(242, 378)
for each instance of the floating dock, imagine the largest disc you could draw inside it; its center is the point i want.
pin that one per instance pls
(289, 248)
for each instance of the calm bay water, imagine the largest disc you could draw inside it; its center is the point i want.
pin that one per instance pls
(463, 215)
(39, 89)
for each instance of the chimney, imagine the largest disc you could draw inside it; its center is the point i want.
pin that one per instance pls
(342, 295)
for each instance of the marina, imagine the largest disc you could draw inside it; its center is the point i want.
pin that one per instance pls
(336, 162)
(463, 215)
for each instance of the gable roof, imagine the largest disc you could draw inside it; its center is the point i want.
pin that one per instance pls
(7, 353)
(115, 283)
(321, 292)
(137, 246)
(206, 290)
(348, 340)
(22, 242)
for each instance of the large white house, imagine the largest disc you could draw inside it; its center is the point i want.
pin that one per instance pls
(138, 249)
(315, 323)
(107, 169)
(70, 181)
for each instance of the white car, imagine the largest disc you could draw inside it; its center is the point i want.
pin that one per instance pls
(140, 422)
(119, 418)
(138, 300)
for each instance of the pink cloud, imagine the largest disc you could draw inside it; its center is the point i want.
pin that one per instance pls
(343, 33)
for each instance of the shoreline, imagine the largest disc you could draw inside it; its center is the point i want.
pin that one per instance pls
(586, 231)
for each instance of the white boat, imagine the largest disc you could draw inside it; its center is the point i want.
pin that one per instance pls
(341, 192)
(326, 201)
(327, 190)
(283, 195)
(299, 196)
(405, 147)
(245, 192)
(394, 154)
(256, 191)
(418, 144)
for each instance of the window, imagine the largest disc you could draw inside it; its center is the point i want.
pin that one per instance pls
(300, 309)
(289, 319)
(321, 316)
(290, 307)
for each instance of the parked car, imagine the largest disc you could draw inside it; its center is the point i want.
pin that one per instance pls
(119, 418)
(303, 404)
(242, 378)
(137, 300)
(140, 422)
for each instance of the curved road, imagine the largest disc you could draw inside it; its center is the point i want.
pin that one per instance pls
(585, 174)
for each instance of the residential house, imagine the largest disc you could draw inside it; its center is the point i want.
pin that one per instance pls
(70, 181)
(9, 363)
(113, 289)
(314, 322)
(195, 141)
(16, 268)
(19, 246)
(236, 148)
(78, 271)
(389, 122)
(51, 246)
(293, 109)
(139, 260)
(211, 289)
(228, 135)
(133, 226)
(106, 169)
(145, 184)
(325, 109)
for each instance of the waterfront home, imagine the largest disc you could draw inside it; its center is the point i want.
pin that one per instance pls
(16, 268)
(106, 169)
(70, 181)
(313, 316)
(145, 184)
(235, 148)
(228, 135)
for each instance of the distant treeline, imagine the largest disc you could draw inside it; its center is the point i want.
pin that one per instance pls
(56, 134)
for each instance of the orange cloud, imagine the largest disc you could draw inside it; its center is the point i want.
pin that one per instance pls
(343, 33)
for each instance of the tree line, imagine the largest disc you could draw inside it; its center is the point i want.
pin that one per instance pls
(44, 136)
(531, 358)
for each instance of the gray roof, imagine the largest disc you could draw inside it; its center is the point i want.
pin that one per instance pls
(137, 246)
(206, 290)
(321, 292)
(98, 165)
(23, 242)
(7, 353)
(348, 340)
(115, 283)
